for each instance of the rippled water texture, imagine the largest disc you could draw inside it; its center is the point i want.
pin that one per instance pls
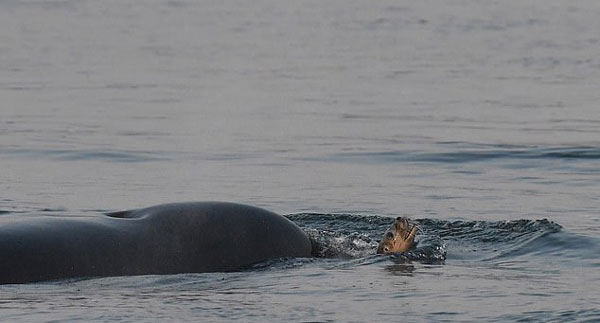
(479, 120)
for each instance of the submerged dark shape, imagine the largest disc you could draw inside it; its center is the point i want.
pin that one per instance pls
(163, 239)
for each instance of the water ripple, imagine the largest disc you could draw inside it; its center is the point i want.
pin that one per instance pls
(482, 242)
(466, 156)
(115, 155)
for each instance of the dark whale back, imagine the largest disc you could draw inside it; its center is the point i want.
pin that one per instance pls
(163, 239)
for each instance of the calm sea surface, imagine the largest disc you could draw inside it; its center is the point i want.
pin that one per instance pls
(479, 119)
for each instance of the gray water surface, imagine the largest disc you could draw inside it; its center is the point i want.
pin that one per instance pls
(467, 114)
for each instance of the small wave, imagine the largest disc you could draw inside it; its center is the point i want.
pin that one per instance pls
(92, 154)
(582, 315)
(472, 155)
(490, 241)
(357, 236)
(487, 231)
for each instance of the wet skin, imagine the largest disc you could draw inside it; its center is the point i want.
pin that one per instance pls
(193, 237)
(400, 237)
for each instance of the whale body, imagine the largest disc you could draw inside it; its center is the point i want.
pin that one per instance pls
(172, 238)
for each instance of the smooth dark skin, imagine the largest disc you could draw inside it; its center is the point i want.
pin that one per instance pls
(163, 239)
(400, 237)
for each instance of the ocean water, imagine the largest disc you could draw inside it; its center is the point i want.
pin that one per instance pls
(478, 119)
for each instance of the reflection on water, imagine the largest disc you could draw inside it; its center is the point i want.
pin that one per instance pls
(401, 269)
